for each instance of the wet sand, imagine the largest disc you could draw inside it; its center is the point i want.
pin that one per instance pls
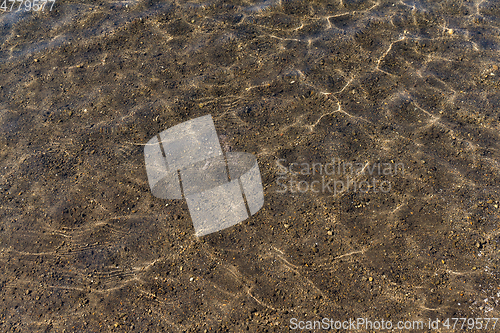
(84, 245)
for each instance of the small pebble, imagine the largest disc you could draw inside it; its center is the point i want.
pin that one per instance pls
(370, 279)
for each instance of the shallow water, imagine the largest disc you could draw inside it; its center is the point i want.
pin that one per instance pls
(86, 247)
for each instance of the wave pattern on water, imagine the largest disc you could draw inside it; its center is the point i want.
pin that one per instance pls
(85, 245)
